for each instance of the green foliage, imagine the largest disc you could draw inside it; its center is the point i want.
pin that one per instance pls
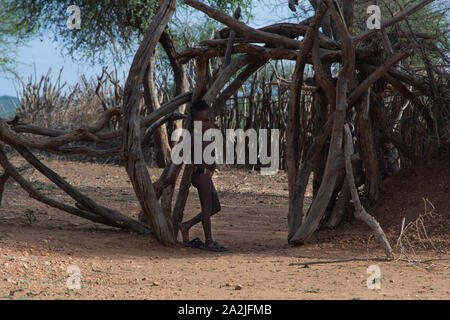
(110, 29)
(13, 33)
(432, 20)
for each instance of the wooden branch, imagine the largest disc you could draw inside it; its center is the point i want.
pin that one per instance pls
(388, 129)
(181, 86)
(293, 128)
(108, 214)
(360, 212)
(292, 4)
(165, 109)
(404, 91)
(237, 15)
(368, 152)
(348, 46)
(201, 83)
(3, 179)
(167, 178)
(222, 43)
(320, 202)
(29, 128)
(340, 207)
(225, 76)
(9, 136)
(308, 263)
(28, 187)
(322, 78)
(290, 30)
(259, 51)
(241, 27)
(237, 83)
(132, 156)
(183, 192)
(326, 56)
(161, 145)
(55, 137)
(199, 93)
(418, 82)
(375, 76)
(179, 72)
(174, 116)
(295, 212)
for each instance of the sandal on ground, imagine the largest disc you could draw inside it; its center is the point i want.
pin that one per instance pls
(213, 246)
(194, 243)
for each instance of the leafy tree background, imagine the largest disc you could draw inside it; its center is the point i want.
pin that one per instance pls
(111, 29)
(13, 33)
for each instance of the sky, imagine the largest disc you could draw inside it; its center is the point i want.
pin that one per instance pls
(39, 55)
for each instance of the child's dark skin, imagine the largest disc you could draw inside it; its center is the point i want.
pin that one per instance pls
(209, 200)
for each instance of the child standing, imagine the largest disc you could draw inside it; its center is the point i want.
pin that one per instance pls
(201, 180)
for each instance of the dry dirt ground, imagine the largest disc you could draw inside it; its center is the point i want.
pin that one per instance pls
(39, 243)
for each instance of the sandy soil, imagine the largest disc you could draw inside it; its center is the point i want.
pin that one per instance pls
(116, 264)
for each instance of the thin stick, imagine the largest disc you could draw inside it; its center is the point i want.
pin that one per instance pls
(364, 259)
(338, 261)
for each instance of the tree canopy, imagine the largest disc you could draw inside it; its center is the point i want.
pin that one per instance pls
(13, 33)
(109, 28)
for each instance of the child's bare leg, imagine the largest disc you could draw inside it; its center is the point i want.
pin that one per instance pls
(184, 227)
(204, 188)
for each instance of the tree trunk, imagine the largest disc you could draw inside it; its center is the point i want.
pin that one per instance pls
(369, 154)
(132, 153)
(160, 138)
(317, 209)
(360, 212)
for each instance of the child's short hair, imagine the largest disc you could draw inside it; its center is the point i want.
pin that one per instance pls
(198, 106)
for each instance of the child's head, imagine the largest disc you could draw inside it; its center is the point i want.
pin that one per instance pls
(200, 111)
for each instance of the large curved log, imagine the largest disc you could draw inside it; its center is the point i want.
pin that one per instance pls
(218, 50)
(10, 136)
(133, 157)
(201, 87)
(241, 27)
(293, 127)
(51, 144)
(112, 216)
(225, 76)
(320, 202)
(161, 146)
(174, 116)
(360, 212)
(290, 30)
(28, 187)
(220, 102)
